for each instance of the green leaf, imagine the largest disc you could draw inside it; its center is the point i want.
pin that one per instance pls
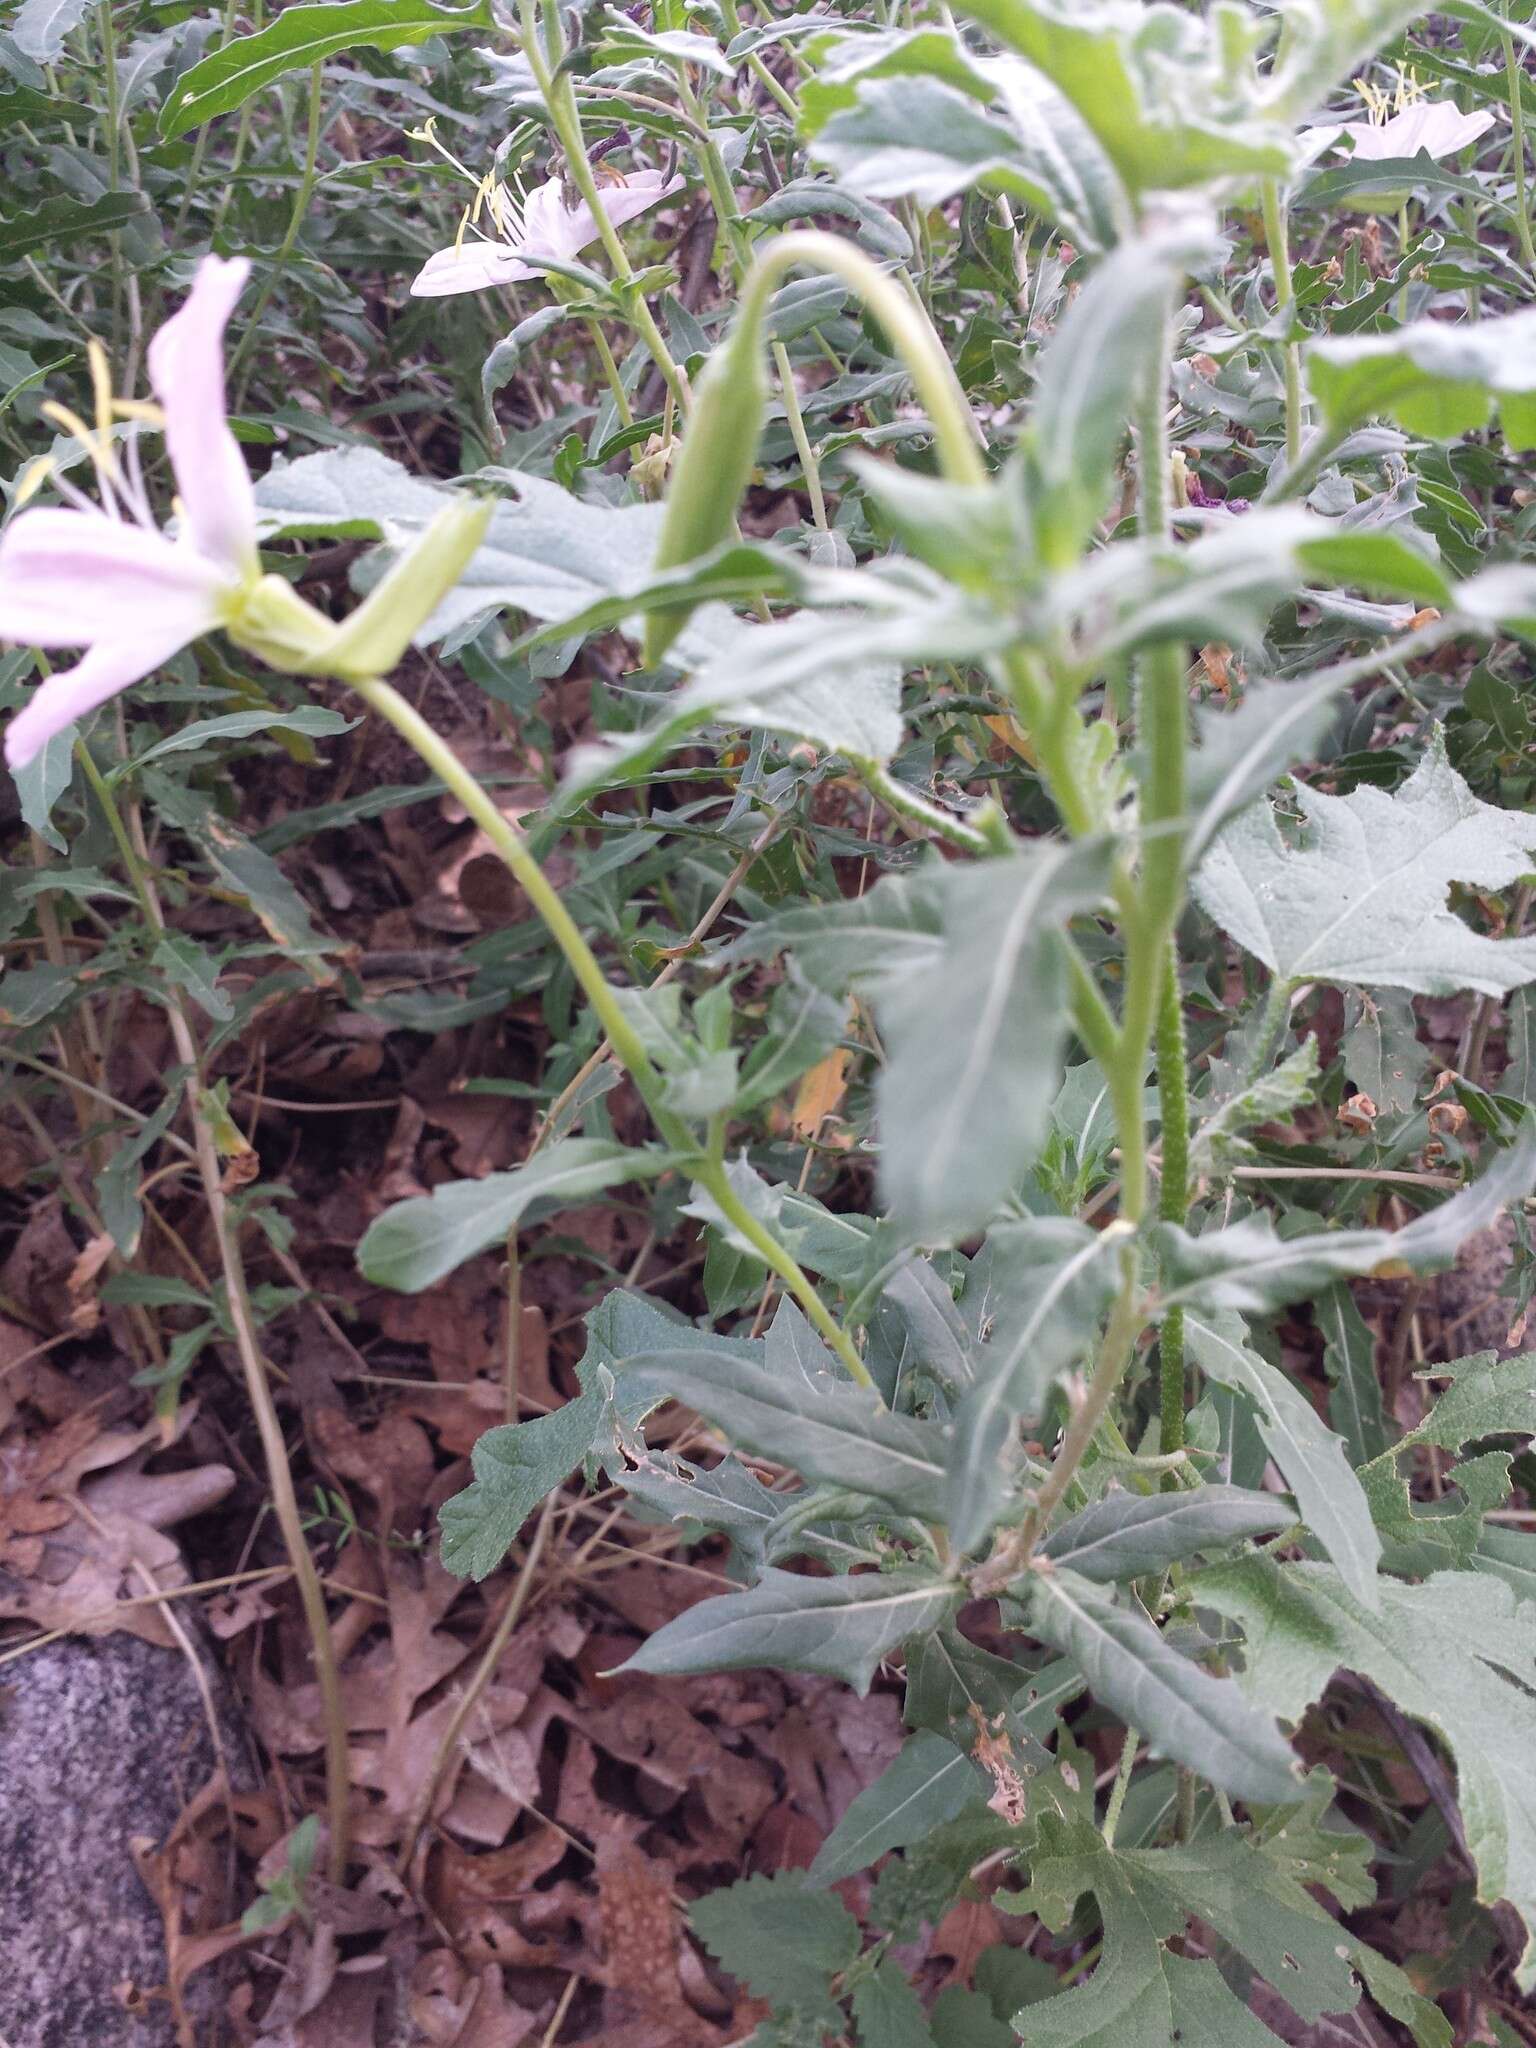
(1245, 748)
(1457, 1652)
(69, 221)
(311, 720)
(28, 994)
(803, 1025)
(1271, 1098)
(1128, 1535)
(299, 38)
(829, 1431)
(841, 1627)
(243, 868)
(1349, 1359)
(417, 1242)
(1204, 1722)
(1089, 381)
(43, 781)
(1488, 1396)
(1310, 1457)
(192, 967)
(1362, 896)
(776, 1933)
(916, 136)
(1154, 85)
(929, 1783)
(1142, 1996)
(514, 1467)
(1437, 378)
(1248, 1267)
(40, 26)
(888, 2011)
(1053, 1280)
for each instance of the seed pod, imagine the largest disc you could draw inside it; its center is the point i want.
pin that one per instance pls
(714, 467)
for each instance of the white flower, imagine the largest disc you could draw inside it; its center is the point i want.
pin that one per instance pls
(543, 230)
(1433, 126)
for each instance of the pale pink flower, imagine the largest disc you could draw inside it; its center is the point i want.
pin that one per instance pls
(1434, 126)
(107, 579)
(529, 235)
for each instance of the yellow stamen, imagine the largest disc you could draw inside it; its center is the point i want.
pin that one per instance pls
(458, 240)
(97, 446)
(138, 409)
(101, 386)
(33, 478)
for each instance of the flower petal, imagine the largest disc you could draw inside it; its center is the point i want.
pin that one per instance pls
(186, 368)
(108, 668)
(469, 268)
(555, 231)
(73, 579)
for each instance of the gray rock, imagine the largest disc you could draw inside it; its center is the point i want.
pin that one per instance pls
(101, 1739)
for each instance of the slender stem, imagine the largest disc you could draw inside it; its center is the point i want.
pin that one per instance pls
(802, 440)
(286, 247)
(1125, 1325)
(1514, 72)
(715, 1181)
(1276, 235)
(1162, 720)
(621, 403)
(1173, 1192)
(435, 751)
(1121, 1786)
(253, 1365)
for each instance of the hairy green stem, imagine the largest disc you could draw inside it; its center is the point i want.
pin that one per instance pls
(1514, 72)
(509, 842)
(1173, 1191)
(712, 1177)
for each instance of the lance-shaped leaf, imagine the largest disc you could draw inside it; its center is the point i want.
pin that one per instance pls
(975, 1049)
(1239, 1104)
(1127, 1535)
(836, 1434)
(1438, 378)
(1206, 1723)
(1457, 1652)
(1053, 1279)
(1251, 1268)
(1310, 1457)
(929, 1783)
(300, 37)
(1362, 896)
(840, 1627)
(1349, 1358)
(417, 1241)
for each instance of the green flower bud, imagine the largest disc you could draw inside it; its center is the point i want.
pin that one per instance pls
(714, 467)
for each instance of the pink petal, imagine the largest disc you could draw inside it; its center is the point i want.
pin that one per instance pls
(72, 579)
(470, 268)
(58, 702)
(186, 367)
